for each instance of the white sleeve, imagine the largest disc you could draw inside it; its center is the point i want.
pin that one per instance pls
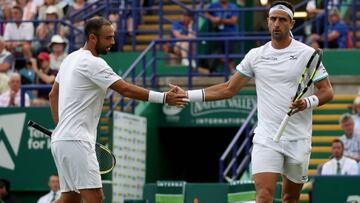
(321, 73)
(103, 75)
(245, 67)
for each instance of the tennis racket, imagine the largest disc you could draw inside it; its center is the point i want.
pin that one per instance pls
(104, 156)
(305, 82)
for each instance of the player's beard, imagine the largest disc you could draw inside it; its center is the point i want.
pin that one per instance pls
(100, 50)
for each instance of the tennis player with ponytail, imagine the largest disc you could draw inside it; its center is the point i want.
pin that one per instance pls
(281, 68)
(76, 101)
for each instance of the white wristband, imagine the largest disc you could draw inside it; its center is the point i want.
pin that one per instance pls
(312, 101)
(157, 97)
(196, 95)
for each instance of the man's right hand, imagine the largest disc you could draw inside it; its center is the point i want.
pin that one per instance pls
(176, 96)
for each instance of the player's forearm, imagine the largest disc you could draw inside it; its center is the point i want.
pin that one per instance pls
(130, 90)
(324, 92)
(218, 92)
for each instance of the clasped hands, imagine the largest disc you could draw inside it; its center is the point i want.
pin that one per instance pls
(177, 96)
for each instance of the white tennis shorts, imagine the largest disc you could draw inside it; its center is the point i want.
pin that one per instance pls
(77, 165)
(290, 158)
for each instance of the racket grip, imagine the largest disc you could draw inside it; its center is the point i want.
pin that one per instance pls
(281, 129)
(39, 127)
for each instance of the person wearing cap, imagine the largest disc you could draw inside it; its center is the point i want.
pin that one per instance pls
(337, 33)
(5, 195)
(44, 75)
(46, 30)
(58, 54)
(43, 9)
(183, 29)
(276, 68)
(356, 116)
(350, 138)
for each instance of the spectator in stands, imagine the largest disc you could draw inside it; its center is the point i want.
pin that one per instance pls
(43, 9)
(27, 73)
(57, 55)
(77, 20)
(26, 6)
(7, 61)
(225, 23)
(35, 7)
(337, 33)
(18, 35)
(11, 98)
(339, 164)
(44, 75)
(356, 116)
(45, 31)
(125, 12)
(183, 29)
(5, 9)
(5, 195)
(350, 139)
(315, 14)
(54, 193)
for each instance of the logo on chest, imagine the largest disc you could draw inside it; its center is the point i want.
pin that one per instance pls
(293, 57)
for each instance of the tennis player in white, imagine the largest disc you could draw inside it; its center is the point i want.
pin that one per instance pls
(76, 101)
(276, 68)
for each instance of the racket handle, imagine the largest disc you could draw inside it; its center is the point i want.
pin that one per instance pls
(39, 127)
(281, 129)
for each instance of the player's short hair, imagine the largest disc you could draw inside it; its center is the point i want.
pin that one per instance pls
(284, 3)
(94, 25)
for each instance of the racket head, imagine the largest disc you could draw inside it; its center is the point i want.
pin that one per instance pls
(105, 158)
(306, 78)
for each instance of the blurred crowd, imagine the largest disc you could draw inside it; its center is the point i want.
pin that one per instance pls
(35, 39)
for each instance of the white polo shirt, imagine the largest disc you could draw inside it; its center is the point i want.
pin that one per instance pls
(83, 81)
(276, 73)
(25, 32)
(348, 167)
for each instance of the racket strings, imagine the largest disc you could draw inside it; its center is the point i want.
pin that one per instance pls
(105, 159)
(306, 79)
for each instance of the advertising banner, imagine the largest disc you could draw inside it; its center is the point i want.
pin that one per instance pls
(225, 113)
(25, 156)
